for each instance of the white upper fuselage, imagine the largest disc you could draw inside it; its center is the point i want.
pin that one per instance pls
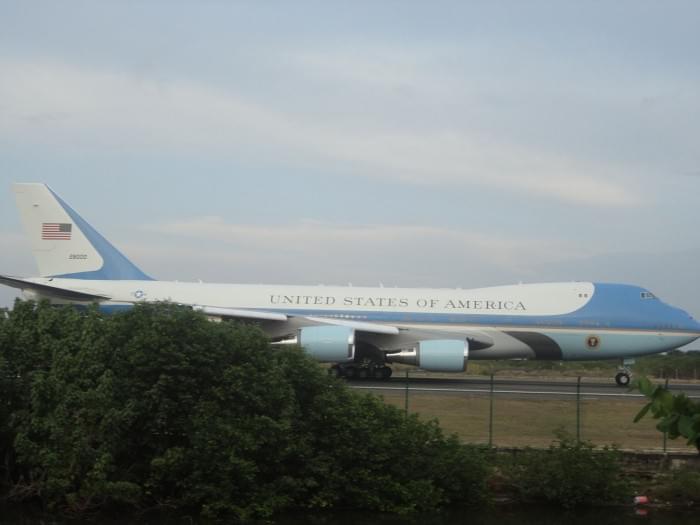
(508, 301)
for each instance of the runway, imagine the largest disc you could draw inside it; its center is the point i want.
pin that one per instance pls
(516, 388)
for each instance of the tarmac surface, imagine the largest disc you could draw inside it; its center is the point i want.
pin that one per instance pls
(515, 388)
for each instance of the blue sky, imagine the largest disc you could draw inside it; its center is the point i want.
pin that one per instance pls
(405, 143)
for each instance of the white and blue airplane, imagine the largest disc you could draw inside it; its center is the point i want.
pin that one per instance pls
(363, 330)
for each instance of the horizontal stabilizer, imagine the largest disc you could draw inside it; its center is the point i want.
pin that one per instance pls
(50, 291)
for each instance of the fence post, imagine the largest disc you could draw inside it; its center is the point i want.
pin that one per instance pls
(665, 433)
(491, 413)
(578, 410)
(405, 406)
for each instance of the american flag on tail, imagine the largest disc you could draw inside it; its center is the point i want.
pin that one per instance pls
(56, 231)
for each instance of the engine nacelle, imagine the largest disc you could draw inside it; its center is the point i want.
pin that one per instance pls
(328, 344)
(436, 355)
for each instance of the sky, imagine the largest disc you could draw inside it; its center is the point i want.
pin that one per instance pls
(430, 144)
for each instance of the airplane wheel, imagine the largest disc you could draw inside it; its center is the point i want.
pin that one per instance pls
(363, 373)
(622, 379)
(386, 372)
(350, 372)
(378, 372)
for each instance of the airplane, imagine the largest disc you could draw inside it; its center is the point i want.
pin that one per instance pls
(361, 331)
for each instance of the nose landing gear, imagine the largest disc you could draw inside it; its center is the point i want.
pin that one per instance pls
(624, 373)
(623, 378)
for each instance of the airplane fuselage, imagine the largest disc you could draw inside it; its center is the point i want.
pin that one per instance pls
(577, 320)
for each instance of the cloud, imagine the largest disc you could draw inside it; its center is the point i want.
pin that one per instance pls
(375, 249)
(54, 103)
(395, 70)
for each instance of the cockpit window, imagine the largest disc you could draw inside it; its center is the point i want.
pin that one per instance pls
(647, 295)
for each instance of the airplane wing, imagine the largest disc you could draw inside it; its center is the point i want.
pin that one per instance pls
(383, 335)
(261, 315)
(51, 291)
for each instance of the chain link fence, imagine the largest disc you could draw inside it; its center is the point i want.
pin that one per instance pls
(518, 413)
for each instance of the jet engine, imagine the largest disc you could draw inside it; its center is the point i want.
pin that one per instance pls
(436, 355)
(328, 344)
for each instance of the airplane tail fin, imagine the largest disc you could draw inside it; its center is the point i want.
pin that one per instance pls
(63, 243)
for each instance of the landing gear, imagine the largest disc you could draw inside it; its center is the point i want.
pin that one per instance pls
(622, 379)
(361, 371)
(381, 373)
(624, 373)
(369, 364)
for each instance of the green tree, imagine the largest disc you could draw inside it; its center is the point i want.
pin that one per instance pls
(158, 407)
(677, 414)
(570, 474)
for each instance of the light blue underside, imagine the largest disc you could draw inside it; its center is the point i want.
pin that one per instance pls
(574, 345)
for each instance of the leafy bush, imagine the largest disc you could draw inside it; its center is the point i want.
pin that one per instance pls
(569, 474)
(683, 486)
(677, 414)
(159, 407)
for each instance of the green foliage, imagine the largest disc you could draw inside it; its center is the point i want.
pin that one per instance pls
(683, 486)
(569, 474)
(158, 407)
(683, 365)
(677, 414)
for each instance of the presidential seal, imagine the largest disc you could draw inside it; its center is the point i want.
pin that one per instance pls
(593, 341)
